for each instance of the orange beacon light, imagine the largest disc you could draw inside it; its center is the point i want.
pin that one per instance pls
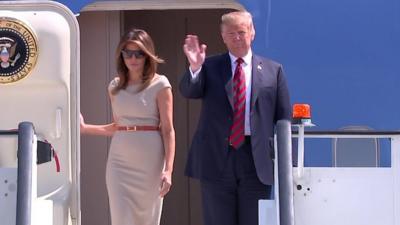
(301, 114)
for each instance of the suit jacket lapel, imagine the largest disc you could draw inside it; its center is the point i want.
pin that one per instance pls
(257, 80)
(226, 71)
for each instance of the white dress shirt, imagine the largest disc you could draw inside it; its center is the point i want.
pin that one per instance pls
(247, 68)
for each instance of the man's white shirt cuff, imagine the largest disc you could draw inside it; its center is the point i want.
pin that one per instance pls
(194, 75)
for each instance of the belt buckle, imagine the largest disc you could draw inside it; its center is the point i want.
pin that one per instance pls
(131, 128)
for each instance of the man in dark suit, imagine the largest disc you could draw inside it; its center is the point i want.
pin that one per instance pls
(243, 95)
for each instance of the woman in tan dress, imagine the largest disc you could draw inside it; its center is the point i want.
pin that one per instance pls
(140, 161)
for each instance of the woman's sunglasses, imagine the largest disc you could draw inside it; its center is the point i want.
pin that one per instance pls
(127, 54)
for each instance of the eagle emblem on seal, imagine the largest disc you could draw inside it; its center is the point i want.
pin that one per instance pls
(7, 52)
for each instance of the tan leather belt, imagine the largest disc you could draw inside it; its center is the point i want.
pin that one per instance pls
(138, 128)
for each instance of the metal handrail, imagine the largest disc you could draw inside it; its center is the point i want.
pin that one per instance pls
(8, 132)
(285, 183)
(24, 192)
(336, 134)
(25, 134)
(348, 133)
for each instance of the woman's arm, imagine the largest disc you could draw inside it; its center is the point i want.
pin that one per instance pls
(102, 130)
(165, 106)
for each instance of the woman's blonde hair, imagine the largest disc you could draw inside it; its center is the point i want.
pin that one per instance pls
(145, 43)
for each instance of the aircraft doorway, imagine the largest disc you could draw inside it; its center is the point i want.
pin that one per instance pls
(100, 32)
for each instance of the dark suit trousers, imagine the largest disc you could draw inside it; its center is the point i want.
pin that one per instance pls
(233, 199)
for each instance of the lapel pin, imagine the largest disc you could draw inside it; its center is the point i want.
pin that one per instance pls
(259, 67)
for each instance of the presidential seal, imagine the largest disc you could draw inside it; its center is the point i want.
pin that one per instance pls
(18, 50)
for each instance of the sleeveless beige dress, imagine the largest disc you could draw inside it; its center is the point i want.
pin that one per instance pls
(136, 158)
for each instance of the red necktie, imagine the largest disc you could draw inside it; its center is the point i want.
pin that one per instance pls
(239, 98)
